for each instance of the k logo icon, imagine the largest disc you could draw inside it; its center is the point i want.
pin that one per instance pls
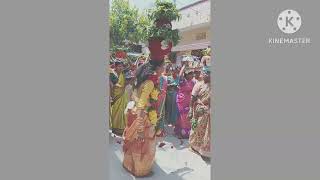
(289, 21)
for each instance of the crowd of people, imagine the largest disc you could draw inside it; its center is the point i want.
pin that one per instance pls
(147, 96)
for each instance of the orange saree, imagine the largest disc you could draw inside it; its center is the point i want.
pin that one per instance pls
(139, 155)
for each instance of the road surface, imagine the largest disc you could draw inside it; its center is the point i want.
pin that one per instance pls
(173, 161)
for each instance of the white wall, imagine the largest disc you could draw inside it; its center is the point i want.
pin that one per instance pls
(197, 14)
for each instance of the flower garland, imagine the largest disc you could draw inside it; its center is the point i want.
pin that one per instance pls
(152, 108)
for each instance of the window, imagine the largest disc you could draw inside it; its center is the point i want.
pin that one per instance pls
(201, 36)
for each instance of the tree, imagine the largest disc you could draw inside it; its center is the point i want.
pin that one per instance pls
(127, 24)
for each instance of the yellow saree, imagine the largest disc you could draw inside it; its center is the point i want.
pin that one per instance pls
(118, 105)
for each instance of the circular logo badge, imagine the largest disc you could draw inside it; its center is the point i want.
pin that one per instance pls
(289, 21)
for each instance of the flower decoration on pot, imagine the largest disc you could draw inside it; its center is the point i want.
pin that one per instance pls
(164, 13)
(161, 35)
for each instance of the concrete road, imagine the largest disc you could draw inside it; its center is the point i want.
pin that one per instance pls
(173, 161)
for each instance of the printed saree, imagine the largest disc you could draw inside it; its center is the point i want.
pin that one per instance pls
(201, 126)
(183, 125)
(139, 155)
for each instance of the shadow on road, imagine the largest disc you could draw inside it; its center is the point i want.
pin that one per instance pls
(184, 170)
(117, 172)
(159, 174)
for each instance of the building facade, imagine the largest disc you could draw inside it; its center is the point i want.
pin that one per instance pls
(194, 28)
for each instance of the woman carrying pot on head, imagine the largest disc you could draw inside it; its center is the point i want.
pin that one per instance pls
(139, 136)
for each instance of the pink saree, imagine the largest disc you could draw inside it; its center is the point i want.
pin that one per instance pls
(183, 125)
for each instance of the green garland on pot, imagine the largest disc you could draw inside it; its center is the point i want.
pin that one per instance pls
(118, 48)
(164, 11)
(165, 34)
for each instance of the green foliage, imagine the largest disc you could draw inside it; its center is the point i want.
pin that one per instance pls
(131, 58)
(126, 23)
(119, 48)
(164, 10)
(164, 33)
(172, 56)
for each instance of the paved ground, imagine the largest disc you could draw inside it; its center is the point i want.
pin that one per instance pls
(174, 161)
